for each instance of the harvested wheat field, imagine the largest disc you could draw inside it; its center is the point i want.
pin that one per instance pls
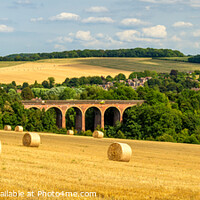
(156, 170)
(60, 69)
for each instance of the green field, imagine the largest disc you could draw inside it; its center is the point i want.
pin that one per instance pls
(126, 64)
(179, 59)
(9, 63)
(141, 64)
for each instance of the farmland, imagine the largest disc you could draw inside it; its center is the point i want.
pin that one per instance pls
(59, 69)
(79, 164)
(9, 64)
(141, 64)
(77, 67)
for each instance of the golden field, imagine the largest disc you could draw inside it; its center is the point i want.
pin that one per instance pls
(60, 69)
(161, 171)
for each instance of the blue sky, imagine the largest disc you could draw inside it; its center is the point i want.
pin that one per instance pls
(28, 26)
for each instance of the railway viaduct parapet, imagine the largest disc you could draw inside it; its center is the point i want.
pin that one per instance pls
(81, 107)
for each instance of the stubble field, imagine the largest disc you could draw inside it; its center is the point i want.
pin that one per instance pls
(157, 170)
(60, 69)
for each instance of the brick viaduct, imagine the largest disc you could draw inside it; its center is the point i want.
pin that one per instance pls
(81, 107)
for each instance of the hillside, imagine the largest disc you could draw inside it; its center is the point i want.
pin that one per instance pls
(77, 67)
(60, 69)
(75, 164)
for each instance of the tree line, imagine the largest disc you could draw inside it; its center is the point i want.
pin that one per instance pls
(76, 83)
(194, 59)
(136, 52)
(171, 111)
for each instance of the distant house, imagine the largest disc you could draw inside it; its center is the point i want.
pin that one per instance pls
(37, 99)
(121, 81)
(110, 84)
(190, 72)
(19, 91)
(148, 78)
(142, 80)
(195, 89)
(134, 83)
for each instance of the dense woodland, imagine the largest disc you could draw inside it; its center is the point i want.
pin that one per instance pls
(86, 53)
(171, 111)
(194, 59)
(136, 52)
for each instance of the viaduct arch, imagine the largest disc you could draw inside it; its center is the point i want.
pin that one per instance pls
(81, 106)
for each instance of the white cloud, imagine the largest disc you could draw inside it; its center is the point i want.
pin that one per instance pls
(111, 41)
(100, 35)
(100, 40)
(175, 38)
(71, 34)
(65, 16)
(36, 19)
(191, 3)
(98, 20)
(197, 45)
(86, 39)
(4, 19)
(162, 1)
(84, 36)
(128, 35)
(62, 39)
(182, 24)
(65, 39)
(158, 31)
(147, 7)
(59, 47)
(196, 33)
(183, 33)
(133, 22)
(133, 35)
(104, 41)
(6, 29)
(194, 3)
(23, 2)
(97, 9)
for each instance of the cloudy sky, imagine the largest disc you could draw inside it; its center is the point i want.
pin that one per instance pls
(47, 25)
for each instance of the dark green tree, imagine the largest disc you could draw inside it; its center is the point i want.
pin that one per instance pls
(51, 82)
(45, 84)
(27, 94)
(120, 76)
(25, 84)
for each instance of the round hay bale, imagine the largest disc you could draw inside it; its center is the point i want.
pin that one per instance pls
(70, 132)
(7, 128)
(98, 134)
(31, 140)
(19, 129)
(0, 147)
(119, 152)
